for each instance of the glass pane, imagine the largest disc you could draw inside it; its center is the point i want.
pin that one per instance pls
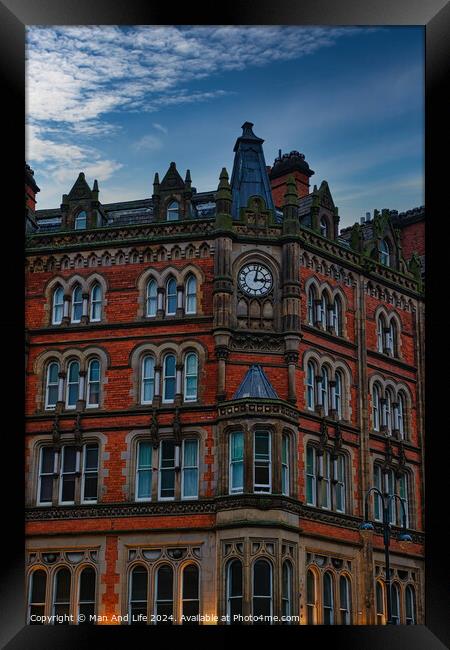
(46, 491)
(144, 484)
(74, 371)
(261, 578)
(47, 457)
(145, 455)
(262, 445)
(90, 487)
(87, 585)
(327, 589)
(261, 607)
(91, 457)
(70, 456)
(237, 475)
(262, 475)
(190, 582)
(38, 582)
(190, 453)
(169, 389)
(139, 584)
(167, 453)
(165, 583)
(235, 577)
(94, 371)
(68, 488)
(190, 482)
(167, 483)
(62, 586)
(237, 446)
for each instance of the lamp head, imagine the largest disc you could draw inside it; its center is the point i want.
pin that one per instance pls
(405, 537)
(366, 525)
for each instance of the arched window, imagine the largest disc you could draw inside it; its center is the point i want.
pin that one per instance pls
(89, 484)
(262, 589)
(96, 303)
(403, 494)
(339, 483)
(236, 462)
(285, 469)
(323, 310)
(190, 596)
(310, 386)
(379, 595)
(81, 221)
(380, 333)
(338, 394)
(164, 594)
(337, 316)
(376, 407)
(401, 416)
(191, 295)
(73, 384)
(286, 589)
(328, 598)
(51, 389)
(148, 379)
(173, 211)
(93, 387)
(169, 378)
(410, 605)
(345, 600)
(325, 480)
(69, 470)
(77, 304)
(389, 412)
(190, 377)
(311, 607)
(58, 306)
(138, 594)
(234, 590)
(61, 594)
(311, 305)
(189, 477)
(37, 588)
(262, 468)
(151, 298)
(323, 227)
(385, 255)
(395, 604)
(144, 471)
(86, 602)
(167, 470)
(324, 390)
(46, 469)
(391, 338)
(311, 488)
(171, 297)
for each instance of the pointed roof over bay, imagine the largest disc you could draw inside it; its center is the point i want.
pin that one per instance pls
(255, 384)
(249, 176)
(80, 189)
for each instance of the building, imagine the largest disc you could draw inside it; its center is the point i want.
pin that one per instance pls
(214, 382)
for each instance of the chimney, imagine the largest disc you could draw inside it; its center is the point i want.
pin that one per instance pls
(367, 216)
(361, 221)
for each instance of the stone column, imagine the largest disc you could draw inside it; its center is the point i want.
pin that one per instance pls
(66, 309)
(179, 384)
(81, 403)
(157, 389)
(291, 359)
(160, 298)
(180, 293)
(222, 353)
(61, 378)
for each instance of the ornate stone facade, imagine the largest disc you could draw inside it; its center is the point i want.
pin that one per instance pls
(203, 421)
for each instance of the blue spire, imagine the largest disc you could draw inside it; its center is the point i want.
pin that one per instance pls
(249, 176)
(255, 384)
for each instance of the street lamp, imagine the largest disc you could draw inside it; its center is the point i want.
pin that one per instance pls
(404, 536)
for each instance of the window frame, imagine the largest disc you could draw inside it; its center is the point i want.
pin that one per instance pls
(171, 296)
(47, 405)
(170, 377)
(57, 305)
(89, 383)
(151, 378)
(190, 295)
(267, 462)
(195, 467)
(151, 299)
(94, 302)
(186, 377)
(76, 303)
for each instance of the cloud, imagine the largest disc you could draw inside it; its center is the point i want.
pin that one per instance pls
(148, 143)
(159, 127)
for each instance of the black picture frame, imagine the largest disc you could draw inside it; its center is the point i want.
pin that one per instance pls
(434, 15)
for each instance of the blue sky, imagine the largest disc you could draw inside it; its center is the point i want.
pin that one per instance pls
(121, 103)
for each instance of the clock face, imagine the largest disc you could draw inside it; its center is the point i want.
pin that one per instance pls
(255, 279)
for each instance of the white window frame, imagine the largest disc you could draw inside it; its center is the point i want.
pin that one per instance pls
(312, 476)
(57, 305)
(332, 605)
(140, 469)
(95, 301)
(82, 215)
(150, 378)
(69, 384)
(339, 478)
(232, 463)
(184, 467)
(174, 296)
(41, 474)
(285, 464)
(150, 299)
(62, 473)
(267, 463)
(171, 210)
(310, 386)
(187, 375)
(165, 377)
(48, 406)
(89, 382)
(76, 288)
(191, 295)
(385, 253)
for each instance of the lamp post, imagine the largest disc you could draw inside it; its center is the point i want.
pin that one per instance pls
(386, 500)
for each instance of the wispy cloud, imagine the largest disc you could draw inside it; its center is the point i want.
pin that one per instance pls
(80, 78)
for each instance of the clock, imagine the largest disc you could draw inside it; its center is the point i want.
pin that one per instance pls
(255, 279)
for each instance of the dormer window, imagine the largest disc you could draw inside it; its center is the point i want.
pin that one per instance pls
(385, 255)
(81, 221)
(173, 211)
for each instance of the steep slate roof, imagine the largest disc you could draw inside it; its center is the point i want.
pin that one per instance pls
(255, 384)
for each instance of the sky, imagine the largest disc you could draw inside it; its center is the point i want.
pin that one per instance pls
(120, 103)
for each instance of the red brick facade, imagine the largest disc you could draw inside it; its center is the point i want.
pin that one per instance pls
(116, 528)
